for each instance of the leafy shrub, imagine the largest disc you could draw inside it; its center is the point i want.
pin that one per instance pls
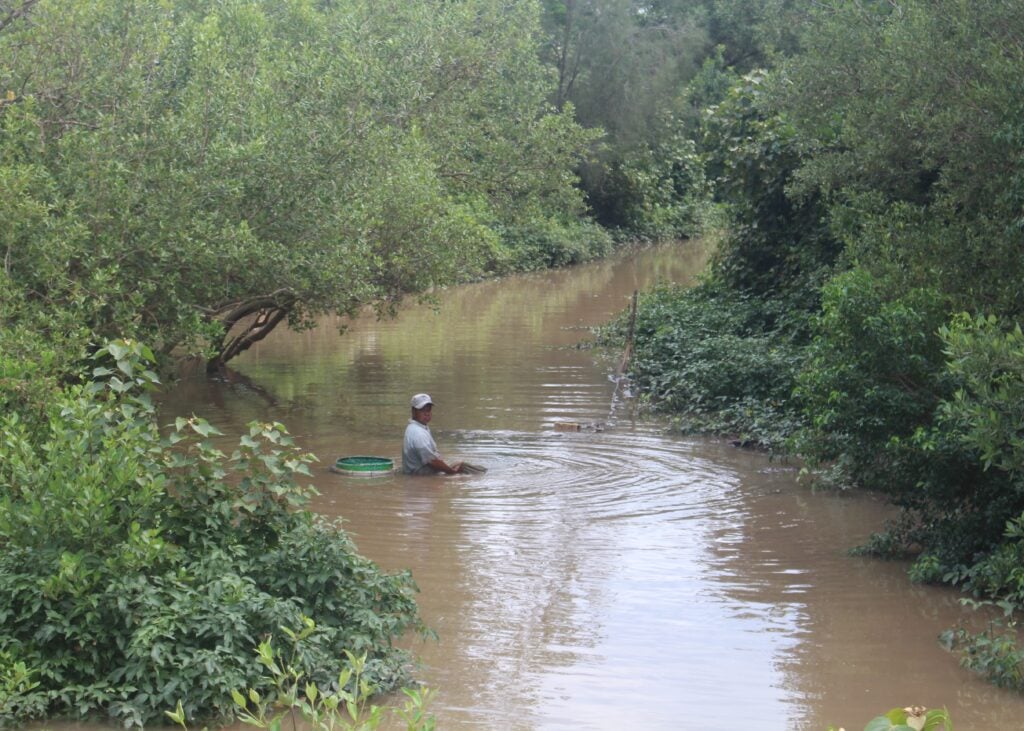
(926, 412)
(884, 544)
(877, 391)
(715, 359)
(344, 705)
(927, 569)
(139, 568)
(541, 243)
(986, 357)
(872, 374)
(913, 718)
(1000, 573)
(993, 652)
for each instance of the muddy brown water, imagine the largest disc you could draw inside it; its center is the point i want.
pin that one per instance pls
(616, 579)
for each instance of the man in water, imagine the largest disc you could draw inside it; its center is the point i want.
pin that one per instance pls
(419, 451)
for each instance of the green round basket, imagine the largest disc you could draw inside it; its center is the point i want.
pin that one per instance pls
(364, 466)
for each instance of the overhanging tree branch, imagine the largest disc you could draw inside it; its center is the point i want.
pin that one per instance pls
(257, 317)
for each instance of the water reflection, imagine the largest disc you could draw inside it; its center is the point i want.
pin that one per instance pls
(596, 580)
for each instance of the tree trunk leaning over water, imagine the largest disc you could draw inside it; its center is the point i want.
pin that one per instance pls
(262, 315)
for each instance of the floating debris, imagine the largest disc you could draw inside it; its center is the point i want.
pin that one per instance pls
(594, 426)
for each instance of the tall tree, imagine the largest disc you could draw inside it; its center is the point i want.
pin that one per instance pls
(914, 111)
(622, 65)
(621, 62)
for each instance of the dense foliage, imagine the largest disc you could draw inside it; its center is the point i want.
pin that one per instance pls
(724, 355)
(716, 359)
(169, 169)
(923, 193)
(873, 175)
(624, 66)
(140, 568)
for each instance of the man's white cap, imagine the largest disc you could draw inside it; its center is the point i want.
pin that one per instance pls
(420, 400)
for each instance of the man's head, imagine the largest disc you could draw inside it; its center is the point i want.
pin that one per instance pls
(421, 407)
(420, 400)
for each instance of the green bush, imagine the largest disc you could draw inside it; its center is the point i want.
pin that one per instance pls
(1000, 574)
(873, 373)
(541, 243)
(871, 391)
(898, 401)
(986, 357)
(912, 718)
(992, 653)
(139, 568)
(656, 191)
(982, 418)
(716, 360)
(343, 706)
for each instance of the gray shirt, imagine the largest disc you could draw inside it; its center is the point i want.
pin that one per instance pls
(418, 449)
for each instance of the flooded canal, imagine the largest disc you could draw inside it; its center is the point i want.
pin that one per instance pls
(614, 578)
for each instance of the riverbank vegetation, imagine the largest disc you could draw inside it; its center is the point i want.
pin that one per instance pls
(864, 309)
(171, 170)
(140, 569)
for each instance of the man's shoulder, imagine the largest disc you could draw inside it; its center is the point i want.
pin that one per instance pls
(416, 430)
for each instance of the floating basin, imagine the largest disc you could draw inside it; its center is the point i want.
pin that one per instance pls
(364, 466)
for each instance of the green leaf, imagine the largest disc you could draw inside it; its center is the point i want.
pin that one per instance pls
(204, 428)
(879, 723)
(177, 715)
(938, 719)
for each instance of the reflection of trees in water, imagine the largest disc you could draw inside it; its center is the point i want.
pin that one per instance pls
(476, 316)
(198, 385)
(238, 381)
(467, 343)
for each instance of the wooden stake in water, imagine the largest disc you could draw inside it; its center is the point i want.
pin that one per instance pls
(630, 332)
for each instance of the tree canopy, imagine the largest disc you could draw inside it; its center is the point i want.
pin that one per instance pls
(169, 169)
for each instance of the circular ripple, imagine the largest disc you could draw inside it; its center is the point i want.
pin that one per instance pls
(592, 476)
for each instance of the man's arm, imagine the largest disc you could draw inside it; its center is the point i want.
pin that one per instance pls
(441, 466)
